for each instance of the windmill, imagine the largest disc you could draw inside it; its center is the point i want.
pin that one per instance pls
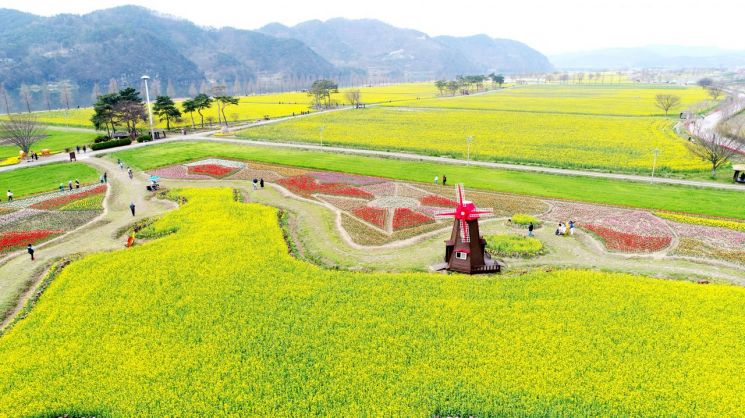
(465, 250)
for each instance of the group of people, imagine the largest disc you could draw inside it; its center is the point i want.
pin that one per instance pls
(444, 180)
(33, 156)
(258, 182)
(69, 185)
(130, 173)
(562, 229)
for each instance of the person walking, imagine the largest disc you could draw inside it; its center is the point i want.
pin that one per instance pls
(77, 183)
(261, 182)
(105, 177)
(530, 229)
(77, 148)
(61, 187)
(69, 184)
(571, 227)
(436, 179)
(10, 196)
(255, 183)
(30, 250)
(130, 173)
(444, 180)
(85, 149)
(121, 165)
(132, 208)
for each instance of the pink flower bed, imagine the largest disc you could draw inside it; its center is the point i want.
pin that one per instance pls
(438, 201)
(407, 218)
(342, 178)
(177, 172)
(637, 222)
(629, 242)
(306, 186)
(375, 216)
(716, 237)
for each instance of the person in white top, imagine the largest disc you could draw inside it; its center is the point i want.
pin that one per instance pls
(10, 196)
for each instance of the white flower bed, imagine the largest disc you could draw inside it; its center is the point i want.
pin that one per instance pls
(29, 201)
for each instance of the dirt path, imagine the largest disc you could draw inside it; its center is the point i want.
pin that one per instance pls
(98, 235)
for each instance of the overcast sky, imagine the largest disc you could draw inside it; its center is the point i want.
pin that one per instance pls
(551, 26)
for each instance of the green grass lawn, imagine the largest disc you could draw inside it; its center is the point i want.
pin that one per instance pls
(650, 196)
(44, 178)
(55, 141)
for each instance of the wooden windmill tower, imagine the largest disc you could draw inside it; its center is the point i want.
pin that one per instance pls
(465, 250)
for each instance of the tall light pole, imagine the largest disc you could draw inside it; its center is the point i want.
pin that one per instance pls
(656, 152)
(149, 109)
(468, 142)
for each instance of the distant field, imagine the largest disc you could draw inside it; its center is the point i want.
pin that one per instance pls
(56, 141)
(643, 195)
(575, 141)
(44, 178)
(256, 107)
(624, 99)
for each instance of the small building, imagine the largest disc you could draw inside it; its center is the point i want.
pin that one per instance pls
(739, 175)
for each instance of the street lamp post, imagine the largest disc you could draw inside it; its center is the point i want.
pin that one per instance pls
(149, 109)
(656, 152)
(468, 142)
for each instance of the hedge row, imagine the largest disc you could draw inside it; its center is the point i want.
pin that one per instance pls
(111, 144)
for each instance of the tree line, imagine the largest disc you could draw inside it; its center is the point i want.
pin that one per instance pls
(466, 83)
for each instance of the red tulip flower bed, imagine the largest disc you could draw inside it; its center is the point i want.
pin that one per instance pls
(438, 201)
(626, 242)
(375, 216)
(407, 218)
(60, 201)
(12, 240)
(212, 170)
(306, 186)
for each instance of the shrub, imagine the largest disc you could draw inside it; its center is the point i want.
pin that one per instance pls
(514, 246)
(111, 144)
(144, 138)
(101, 138)
(521, 219)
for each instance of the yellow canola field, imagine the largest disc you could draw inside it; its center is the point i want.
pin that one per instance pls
(218, 320)
(571, 141)
(629, 100)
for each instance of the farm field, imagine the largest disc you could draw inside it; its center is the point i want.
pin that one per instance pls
(243, 328)
(570, 141)
(256, 107)
(56, 141)
(619, 100)
(45, 178)
(649, 196)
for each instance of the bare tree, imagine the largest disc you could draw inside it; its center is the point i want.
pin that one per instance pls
(715, 148)
(170, 91)
(715, 91)
(666, 102)
(65, 94)
(95, 93)
(113, 86)
(353, 97)
(131, 113)
(21, 130)
(24, 92)
(46, 94)
(6, 98)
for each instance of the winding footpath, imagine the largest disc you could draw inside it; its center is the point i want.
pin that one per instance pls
(96, 236)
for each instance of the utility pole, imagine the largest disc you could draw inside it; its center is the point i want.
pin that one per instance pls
(149, 109)
(654, 164)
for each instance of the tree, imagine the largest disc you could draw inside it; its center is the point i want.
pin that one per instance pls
(441, 85)
(666, 102)
(716, 149)
(46, 95)
(226, 101)
(453, 87)
(113, 86)
(714, 91)
(104, 116)
(131, 113)
(202, 102)
(65, 94)
(353, 97)
(95, 92)
(189, 107)
(497, 79)
(6, 98)
(24, 92)
(321, 91)
(705, 82)
(166, 109)
(170, 91)
(21, 130)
